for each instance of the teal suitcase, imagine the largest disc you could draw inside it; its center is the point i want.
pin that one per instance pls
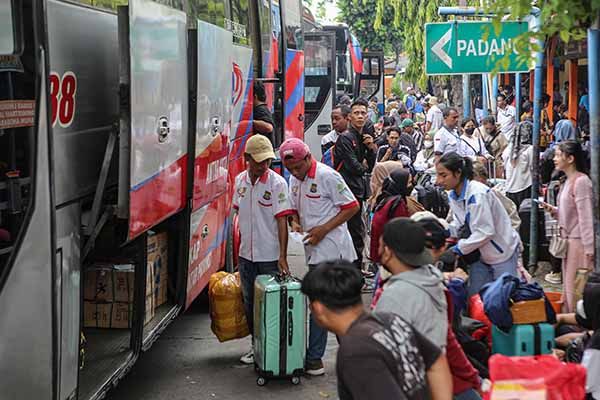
(279, 328)
(523, 340)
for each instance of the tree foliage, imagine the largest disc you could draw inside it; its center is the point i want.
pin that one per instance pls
(567, 19)
(361, 17)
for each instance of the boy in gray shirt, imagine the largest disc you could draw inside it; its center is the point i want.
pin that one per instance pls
(415, 291)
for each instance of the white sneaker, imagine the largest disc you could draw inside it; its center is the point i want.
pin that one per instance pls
(554, 278)
(248, 358)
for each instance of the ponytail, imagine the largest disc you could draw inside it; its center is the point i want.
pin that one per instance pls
(455, 163)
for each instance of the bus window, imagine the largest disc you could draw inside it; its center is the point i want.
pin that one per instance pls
(268, 41)
(239, 24)
(292, 13)
(113, 4)
(211, 11)
(317, 75)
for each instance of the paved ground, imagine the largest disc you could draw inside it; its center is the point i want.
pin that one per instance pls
(188, 362)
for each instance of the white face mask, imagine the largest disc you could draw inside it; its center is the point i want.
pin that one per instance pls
(428, 144)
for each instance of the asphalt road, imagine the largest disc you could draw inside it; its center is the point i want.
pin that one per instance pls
(188, 362)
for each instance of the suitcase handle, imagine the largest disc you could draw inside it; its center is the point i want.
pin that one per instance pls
(279, 277)
(290, 328)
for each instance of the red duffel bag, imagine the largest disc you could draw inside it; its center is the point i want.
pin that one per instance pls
(535, 377)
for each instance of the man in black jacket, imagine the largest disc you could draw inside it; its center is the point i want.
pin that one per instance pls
(355, 157)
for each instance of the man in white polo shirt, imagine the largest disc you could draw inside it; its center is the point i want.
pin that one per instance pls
(324, 204)
(506, 117)
(262, 201)
(447, 139)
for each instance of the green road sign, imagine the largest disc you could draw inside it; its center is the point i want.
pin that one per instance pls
(459, 47)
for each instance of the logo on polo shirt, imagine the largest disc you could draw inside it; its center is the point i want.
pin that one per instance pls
(294, 190)
(341, 187)
(267, 195)
(281, 197)
(313, 188)
(242, 191)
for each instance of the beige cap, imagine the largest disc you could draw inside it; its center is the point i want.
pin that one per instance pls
(259, 147)
(433, 100)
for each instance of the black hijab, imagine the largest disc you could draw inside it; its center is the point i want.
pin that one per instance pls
(394, 186)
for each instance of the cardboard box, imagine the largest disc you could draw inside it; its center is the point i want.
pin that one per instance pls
(158, 253)
(109, 282)
(150, 285)
(107, 315)
(158, 261)
(160, 293)
(149, 312)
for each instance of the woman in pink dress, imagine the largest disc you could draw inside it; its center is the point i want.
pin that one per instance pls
(574, 214)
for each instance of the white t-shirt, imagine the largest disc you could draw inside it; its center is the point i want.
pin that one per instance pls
(331, 137)
(258, 207)
(507, 119)
(434, 115)
(317, 199)
(518, 178)
(447, 142)
(474, 146)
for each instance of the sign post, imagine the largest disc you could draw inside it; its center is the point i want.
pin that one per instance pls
(466, 47)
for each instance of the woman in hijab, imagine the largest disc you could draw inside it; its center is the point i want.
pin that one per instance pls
(381, 171)
(390, 203)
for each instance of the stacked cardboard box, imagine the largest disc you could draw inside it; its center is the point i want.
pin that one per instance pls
(158, 261)
(108, 295)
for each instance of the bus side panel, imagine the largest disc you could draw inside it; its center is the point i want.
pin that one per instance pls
(208, 230)
(241, 118)
(83, 94)
(26, 307)
(159, 107)
(68, 225)
(294, 94)
(213, 113)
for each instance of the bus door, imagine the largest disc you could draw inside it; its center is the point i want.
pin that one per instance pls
(154, 115)
(28, 274)
(210, 147)
(319, 87)
(371, 84)
(293, 104)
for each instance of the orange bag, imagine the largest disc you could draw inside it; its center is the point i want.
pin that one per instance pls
(228, 320)
(476, 311)
(535, 376)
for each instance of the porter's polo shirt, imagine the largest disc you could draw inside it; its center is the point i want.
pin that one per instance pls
(317, 199)
(259, 206)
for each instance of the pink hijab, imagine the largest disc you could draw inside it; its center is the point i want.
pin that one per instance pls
(381, 171)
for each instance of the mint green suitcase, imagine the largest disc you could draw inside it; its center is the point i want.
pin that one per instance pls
(279, 328)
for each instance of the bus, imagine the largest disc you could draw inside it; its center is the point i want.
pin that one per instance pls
(122, 126)
(335, 66)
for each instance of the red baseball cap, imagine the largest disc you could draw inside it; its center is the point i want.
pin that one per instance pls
(293, 149)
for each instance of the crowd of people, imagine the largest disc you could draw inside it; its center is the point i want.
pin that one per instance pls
(416, 200)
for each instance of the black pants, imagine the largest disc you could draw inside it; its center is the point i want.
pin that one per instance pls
(518, 197)
(357, 231)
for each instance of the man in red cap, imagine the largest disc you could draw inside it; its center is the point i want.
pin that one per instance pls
(324, 204)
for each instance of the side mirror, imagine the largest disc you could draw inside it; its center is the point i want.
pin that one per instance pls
(11, 28)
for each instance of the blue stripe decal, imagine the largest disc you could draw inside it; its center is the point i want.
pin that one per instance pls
(497, 246)
(295, 98)
(472, 200)
(289, 58)
(467, 218)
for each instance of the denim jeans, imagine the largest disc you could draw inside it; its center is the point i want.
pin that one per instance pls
(317, 337)
(481, 273)
(248, 272)
(468, 395)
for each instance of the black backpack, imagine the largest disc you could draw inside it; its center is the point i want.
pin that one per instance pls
(433, 199)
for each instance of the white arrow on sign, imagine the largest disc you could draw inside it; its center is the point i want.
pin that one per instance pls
(438, 48)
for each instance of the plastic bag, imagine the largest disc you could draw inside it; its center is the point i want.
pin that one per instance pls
(228, 319)
(527, 377)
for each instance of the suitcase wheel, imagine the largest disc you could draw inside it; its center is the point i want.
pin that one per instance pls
(260, 381)
(295, 380)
